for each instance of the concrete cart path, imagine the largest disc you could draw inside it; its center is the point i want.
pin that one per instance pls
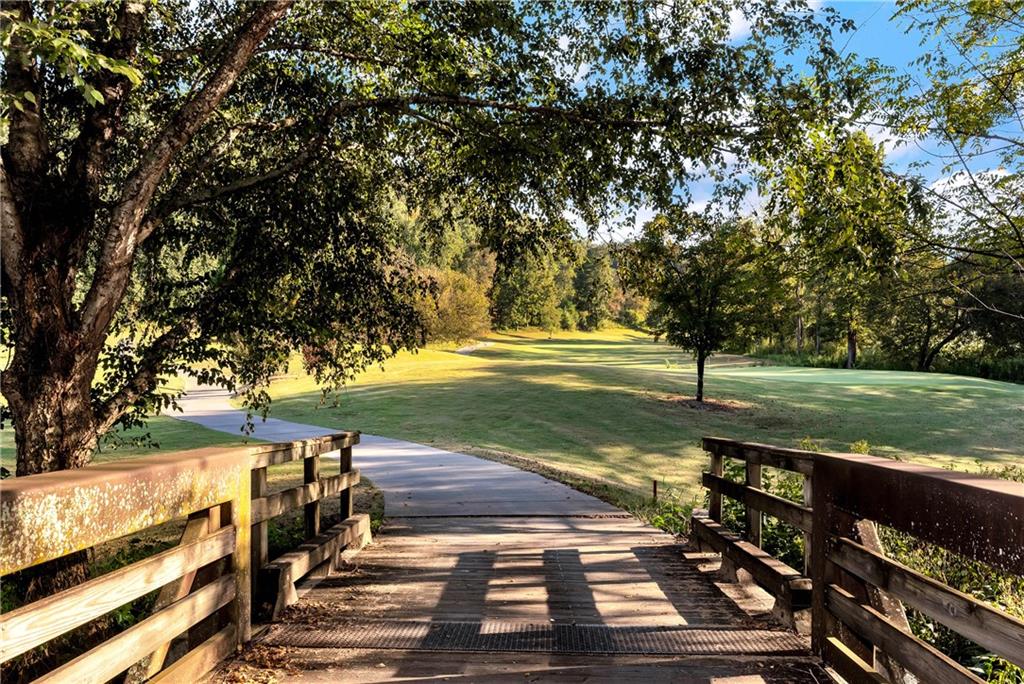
(417, 480)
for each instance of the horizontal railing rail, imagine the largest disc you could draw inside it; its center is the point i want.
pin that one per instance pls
(208, 574)
(857, 594)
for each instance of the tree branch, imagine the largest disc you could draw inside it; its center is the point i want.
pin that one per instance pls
(101, 126)
(122, 238)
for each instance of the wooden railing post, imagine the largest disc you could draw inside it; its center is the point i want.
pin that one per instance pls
(259, 530)
(715, 507)
(241, 559)
(346, 493)
(753, 515)
(821, 526)
(311, 473)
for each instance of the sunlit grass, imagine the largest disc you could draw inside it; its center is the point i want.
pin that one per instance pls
(604, 405)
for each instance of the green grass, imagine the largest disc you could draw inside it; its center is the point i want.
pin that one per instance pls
(606, 405)
(167, 433)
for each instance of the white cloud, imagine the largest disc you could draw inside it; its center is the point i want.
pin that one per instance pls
(895, 146)
(739, 25)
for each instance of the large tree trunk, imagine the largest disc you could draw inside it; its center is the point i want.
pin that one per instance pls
(851, 346)
(701, 358)
(48, 385)
(54, 426)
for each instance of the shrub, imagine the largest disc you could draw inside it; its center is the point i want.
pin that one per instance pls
(456, 310)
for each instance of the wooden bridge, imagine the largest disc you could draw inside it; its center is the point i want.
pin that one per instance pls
(568, 590)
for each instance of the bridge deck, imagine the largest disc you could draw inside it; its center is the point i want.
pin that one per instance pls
(532, 599)
(484, 572)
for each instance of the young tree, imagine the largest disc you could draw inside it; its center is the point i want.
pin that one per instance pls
(200, 187)
(697, 272)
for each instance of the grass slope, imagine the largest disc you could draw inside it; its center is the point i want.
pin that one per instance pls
(607, 405)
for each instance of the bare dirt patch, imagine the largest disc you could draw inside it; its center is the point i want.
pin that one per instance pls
(712, 405)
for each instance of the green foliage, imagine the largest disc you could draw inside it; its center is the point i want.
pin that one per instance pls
(969, 100)
(535, 291)
(593, 288)
(455, 310)
(66, 39)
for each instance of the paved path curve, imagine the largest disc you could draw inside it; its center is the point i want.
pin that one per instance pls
(485, 572)
(417, 480)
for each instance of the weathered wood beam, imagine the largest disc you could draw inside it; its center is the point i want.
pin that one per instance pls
(113, 656)
(286, 500)
(789, 512)
(38, 622)
(922, 659)
(989, 627)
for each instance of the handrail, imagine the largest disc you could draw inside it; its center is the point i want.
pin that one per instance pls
(857, 622)
(48, 516)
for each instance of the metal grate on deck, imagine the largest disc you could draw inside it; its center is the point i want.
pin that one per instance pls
(537, 638)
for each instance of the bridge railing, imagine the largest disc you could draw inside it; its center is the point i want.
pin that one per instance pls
(222, 494)
(856, 594)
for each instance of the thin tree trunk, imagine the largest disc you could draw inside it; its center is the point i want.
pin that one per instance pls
(817, 324)
(851, 346)
(799, 322)
(701, 358)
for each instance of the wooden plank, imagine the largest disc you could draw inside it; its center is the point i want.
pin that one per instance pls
(201, 659)
(808, 496)
(199, 525)
(989, 627)
(795, 460)
(276, 585)
(38, 622)
(275, 454)
(822, 524)
(118, 653)
(109, 501)
(770, 504)
(241, 559)
(717, 470)
(923, 660)
(850, 666)
(754, 517)
(311, 512)
(286, 500)
(773, 575)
